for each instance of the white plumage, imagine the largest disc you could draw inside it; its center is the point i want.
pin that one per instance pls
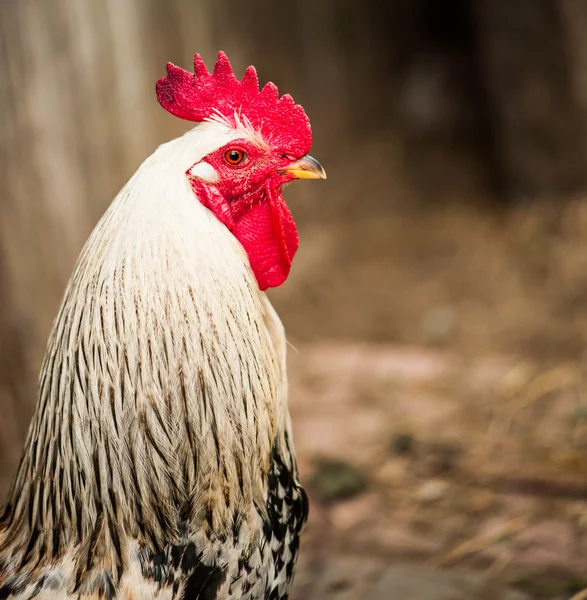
(162, 412)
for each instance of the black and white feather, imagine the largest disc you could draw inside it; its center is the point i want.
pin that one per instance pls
(159, 462)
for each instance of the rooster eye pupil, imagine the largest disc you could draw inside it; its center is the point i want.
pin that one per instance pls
(234, 157)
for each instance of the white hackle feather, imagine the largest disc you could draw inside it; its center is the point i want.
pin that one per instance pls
(163, 386)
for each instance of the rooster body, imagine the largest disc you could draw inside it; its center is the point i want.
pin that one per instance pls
(159, 462)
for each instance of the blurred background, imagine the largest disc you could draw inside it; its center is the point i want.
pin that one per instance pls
(437, 308)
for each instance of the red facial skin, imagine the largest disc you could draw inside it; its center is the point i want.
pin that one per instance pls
(247, 197)
(248, 200)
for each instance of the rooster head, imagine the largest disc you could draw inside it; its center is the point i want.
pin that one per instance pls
(241, 180)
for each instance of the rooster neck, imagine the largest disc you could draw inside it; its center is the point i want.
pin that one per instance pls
(162, 392)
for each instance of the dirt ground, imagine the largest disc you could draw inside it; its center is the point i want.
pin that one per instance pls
(471, 463)
(440, 370)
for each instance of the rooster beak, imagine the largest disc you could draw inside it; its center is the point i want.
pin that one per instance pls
(305, 168)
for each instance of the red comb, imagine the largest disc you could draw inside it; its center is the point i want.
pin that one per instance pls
(200, 95)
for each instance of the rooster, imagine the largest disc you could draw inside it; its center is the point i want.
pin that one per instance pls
(159, 462)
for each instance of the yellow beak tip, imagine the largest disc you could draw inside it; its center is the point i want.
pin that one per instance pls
(301, 174)
(306, 168)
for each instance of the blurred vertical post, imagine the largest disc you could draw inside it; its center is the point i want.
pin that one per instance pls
(535, 121)
(14, 383)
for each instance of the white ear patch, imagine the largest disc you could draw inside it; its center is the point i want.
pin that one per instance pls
(205, 172)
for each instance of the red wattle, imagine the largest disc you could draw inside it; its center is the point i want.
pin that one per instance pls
(269, 236)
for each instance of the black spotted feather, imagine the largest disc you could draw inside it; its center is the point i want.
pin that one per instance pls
(262, 571)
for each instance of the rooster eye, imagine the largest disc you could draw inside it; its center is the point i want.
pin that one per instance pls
(234, 157)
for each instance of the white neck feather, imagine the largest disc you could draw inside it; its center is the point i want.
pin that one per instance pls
(158, 398)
